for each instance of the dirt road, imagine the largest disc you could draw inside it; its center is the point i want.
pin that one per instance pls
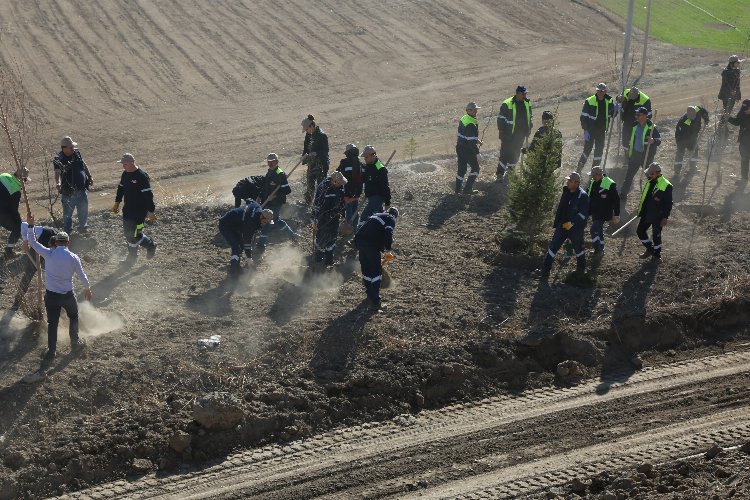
(499, 447)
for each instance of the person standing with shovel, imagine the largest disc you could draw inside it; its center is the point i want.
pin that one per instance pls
(374, 236)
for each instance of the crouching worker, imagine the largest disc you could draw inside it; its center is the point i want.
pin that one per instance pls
(238, 227)
(375, 235)
(60, 265)
(327, 206)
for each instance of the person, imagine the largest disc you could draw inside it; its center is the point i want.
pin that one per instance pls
(743, 121)
(686, 136)
(569, 224)
(654, 209)
(273, 196)
(314, 155)
(238, 226)
(135, 189)
(642, 145)
(596, 114)
(730, 92)
(467, 148)
(374, 236)
(353, 170)
(514, 124)
(11, 186)
(248, 188)
(604, 205)
(548, 121)
(73, 181)
(630, 101)
(60, 266)
(377, 188)
(327, 206)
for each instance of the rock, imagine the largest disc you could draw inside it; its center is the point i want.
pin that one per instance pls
(180, 441)
(142, 465)
(580, 486)
(218, 410)
(745, 448)
(645, 468)
(15, 459)
(624, 483)
(569, 368)
(713, 452)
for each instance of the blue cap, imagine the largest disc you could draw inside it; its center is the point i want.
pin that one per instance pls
(521, 89)
(641, 109)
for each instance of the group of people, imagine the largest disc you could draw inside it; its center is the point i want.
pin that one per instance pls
(330, 197)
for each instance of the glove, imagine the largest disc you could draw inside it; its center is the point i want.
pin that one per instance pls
(116, 208)
(586, 135)
(388, 256)
(617, 107)
(615, 220)
(152, 217)
(524, 150)
(567, 226)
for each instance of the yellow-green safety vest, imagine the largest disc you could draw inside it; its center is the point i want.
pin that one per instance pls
(661, 185)
(511, 103)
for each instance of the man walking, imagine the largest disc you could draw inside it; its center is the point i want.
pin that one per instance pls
(743, 121)
(630, 101)
(644, 139)
(596, 114)
(73, 180)
(353, 170)
(604, 205)
(327, 206)
(569, 224)
(10, 198)
(654, 209)
(135, 189)
(467, 148)
(377, 188)
(60, 266)
(686, 136)
(273, 196)
(514, 124)
(238, 227)
(374, 236)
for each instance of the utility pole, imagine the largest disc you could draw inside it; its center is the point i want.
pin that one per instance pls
(626, 47)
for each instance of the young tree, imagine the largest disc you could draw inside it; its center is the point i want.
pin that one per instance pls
(535, 187)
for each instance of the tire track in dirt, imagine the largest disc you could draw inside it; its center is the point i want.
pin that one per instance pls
(272, 467)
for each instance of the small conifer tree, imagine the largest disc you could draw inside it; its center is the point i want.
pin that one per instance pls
(535, 187)
(410, 148)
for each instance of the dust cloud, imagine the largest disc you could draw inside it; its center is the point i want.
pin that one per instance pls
(13, 324)
(94, 322)
(281, 264)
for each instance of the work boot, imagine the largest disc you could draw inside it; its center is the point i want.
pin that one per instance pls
(656, 255)
(77, 345)
(151, 251)
(648, 252)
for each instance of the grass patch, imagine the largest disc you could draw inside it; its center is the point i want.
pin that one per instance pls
(693, 23)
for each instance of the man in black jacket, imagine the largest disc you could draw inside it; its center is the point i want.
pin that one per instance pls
(329, 200)
(135, 189)
(377, 188)
(248, 188)
(10, 198)
(353, 170)
(273, 196)
(467, 148)
(654, 209)
(73, 180)
(596, 115)
(686, 136)
(374, 236)
(238, 227)
(604, 205)
(743, 121)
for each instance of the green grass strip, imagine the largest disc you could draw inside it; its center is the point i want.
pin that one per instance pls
(706, 24)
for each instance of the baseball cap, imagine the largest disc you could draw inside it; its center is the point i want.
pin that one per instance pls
(62, 236)
(733, 58)
(654, 167)
(350, 147)
(127, 158)
(602, 86)
(521, 88)
(472, 105)
(596, 169)
(574, 176)
(338, 177)
(641, 109)
(272, 157)
(67, 142)
(547, 115)
(393, 211)
(368, 150)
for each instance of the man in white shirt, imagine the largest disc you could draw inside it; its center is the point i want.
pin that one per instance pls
(60, 266)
